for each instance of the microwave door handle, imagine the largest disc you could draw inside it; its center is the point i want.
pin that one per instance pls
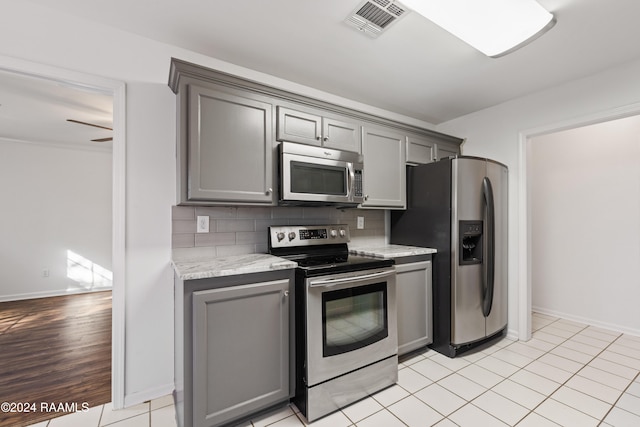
(351, 178)
(327, 283)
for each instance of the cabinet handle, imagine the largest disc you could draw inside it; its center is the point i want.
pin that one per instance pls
(269, 191)
(285, 295)
(326, 138)
(318, 137)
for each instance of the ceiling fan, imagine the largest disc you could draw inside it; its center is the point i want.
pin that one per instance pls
(96, 126)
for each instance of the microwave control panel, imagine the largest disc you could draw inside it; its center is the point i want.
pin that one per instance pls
(357, 184)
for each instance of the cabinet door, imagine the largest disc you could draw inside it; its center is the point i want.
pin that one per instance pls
(420, 150)
(240, 350)
(296, 126)
(341, 135)
(384, 180)
(413, 296)
(444, 151)
(230, 148)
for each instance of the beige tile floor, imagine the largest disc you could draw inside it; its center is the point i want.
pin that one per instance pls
(568, 374)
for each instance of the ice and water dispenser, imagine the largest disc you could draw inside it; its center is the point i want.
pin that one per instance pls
(470, 241)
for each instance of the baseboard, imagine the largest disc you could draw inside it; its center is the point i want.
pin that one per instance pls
(46, 294)
(591, 322)
(149, 394)
(513, 334)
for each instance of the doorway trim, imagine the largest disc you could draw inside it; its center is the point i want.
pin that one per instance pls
(524, 200)
(117, 89)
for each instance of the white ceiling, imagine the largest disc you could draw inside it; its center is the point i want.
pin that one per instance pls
(414, 68)
(36, 110)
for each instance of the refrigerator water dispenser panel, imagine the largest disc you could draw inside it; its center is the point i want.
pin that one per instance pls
(470, 250)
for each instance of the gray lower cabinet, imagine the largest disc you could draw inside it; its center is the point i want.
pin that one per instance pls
(384, 180)
(237, 346)
(413, 296)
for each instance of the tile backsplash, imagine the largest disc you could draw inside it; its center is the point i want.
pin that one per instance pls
(239, 230)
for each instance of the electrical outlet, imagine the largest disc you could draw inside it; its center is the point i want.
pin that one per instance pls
(45, 272)
(202, 224)
(360, 223)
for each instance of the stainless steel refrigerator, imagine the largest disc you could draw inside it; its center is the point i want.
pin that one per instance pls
(459, 206)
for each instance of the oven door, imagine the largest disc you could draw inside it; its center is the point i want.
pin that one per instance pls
(351, 322)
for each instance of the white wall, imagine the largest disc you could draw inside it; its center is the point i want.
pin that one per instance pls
(499, 132)
(43, 35)
(56, 198)
(585, 205)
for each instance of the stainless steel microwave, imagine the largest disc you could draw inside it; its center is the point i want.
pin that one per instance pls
(321, 176)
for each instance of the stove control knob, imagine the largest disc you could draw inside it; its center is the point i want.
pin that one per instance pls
(292, 235)
(280, 236)
(343, 232)
(333, 233)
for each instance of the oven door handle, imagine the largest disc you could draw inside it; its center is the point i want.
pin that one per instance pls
(327, 283)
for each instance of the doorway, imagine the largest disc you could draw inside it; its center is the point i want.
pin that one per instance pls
(116, 90)
(601, 220)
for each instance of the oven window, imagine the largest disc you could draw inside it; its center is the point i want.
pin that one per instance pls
(353, 318)
(318, 179)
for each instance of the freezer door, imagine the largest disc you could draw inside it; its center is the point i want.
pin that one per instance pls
(497, 318)
(467, 319)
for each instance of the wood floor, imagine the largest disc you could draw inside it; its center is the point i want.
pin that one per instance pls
(54, 351)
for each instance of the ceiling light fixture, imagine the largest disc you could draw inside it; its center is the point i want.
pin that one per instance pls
(494, 27)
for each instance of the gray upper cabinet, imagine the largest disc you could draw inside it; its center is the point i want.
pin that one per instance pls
(420, 150)
(427, 149)
(341, 135)
(296, 126)
(447, 150)
(384, 180)
(316, 129)
(229, 147)
(229, 128)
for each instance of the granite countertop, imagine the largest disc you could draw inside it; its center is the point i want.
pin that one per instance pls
(391, 251)
(198, 265)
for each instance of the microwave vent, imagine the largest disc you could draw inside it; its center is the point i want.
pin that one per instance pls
(373, 17)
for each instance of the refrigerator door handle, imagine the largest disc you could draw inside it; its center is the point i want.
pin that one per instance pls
(487, 193)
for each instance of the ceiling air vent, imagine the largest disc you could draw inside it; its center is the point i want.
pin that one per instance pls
(375, 16)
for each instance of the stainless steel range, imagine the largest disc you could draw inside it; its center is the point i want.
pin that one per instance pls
(346, 327)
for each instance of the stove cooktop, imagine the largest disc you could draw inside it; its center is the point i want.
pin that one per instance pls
(316, 267)
(320, 249)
